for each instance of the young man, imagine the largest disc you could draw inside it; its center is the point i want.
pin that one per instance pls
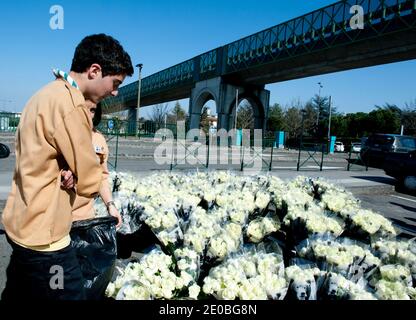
(53, 142)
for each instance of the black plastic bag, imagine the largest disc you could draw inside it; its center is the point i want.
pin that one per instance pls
(138, 241)
(96, 247)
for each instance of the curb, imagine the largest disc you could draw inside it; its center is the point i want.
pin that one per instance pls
(371, 190)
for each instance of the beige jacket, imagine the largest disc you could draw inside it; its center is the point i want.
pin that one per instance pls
(84, 207)
(54, 134)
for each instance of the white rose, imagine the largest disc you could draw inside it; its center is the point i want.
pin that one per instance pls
(110, 290)
(186, 278)
(194, 291)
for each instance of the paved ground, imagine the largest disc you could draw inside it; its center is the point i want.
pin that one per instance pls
(5, 252)
(373, 187)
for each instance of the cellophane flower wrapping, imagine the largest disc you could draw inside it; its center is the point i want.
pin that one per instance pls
(224, 236)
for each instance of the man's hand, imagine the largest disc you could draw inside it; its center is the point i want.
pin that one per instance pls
(112, 210)
(67, 179)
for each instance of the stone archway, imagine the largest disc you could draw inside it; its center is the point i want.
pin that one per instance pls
(257, 106)
(224, 96)
(201, 99)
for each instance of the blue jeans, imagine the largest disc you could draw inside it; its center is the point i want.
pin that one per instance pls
(43, 275)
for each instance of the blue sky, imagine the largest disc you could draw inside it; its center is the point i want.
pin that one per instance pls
(163, 33)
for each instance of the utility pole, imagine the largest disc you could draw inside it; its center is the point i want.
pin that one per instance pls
(140, 66)
(303, 112)
(319, 106)
(329, 120)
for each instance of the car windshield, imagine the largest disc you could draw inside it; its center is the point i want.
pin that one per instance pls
(381, 140)
(408, 143)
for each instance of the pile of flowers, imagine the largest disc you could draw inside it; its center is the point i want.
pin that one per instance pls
(223, 236)
(251, 275)
(154, 277)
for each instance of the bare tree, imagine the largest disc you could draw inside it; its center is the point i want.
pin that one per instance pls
(159, 112)
(245, 116)
(292, 122)
(293, 118)
(177, 112)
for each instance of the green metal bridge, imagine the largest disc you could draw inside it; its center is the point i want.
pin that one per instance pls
(319, 42)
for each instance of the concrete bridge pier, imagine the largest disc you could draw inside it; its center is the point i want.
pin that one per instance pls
(224, 95)
(131, 121)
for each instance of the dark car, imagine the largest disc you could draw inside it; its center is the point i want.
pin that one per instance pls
(378, 146)
(4, 151)
(400, 165)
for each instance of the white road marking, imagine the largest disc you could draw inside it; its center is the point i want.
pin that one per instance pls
(404, 198)
(311, 167)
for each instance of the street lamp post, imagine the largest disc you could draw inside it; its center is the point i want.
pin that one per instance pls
(319, 106)
(329, 120)
(303, 112)
(140, 66)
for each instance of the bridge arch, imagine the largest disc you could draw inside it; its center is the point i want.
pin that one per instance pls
(259, 110)
(202, 98)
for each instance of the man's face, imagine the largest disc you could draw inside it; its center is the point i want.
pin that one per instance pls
(107, 87)
(103, 87)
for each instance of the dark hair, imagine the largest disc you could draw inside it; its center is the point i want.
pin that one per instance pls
(105, 51)
(97, 115)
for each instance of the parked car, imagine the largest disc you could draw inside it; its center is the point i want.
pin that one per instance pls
(339, 146)
(378, 146)
(401, 166)
(356, 147)
(4, 151)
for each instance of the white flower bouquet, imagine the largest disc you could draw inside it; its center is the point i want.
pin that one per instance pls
(390, 290)
(303, 184)
(302, 277)
(397, 252)
(152, 277)
(337, 287)
(391, 251)
(130, 210)
(313, 220)
(341, 256)
(229, 239)
(366, 225)
(187, 260)
(260, 227)
(393, 273)
(250, 275)
(164, 223)
(342, 203)
(396, 273)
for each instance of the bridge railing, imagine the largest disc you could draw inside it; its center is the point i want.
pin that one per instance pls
(318, 30)
(182, 73)
(322, 28)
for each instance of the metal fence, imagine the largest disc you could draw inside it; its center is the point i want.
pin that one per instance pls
(9, 121)
(209, 152)
(263, 151)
